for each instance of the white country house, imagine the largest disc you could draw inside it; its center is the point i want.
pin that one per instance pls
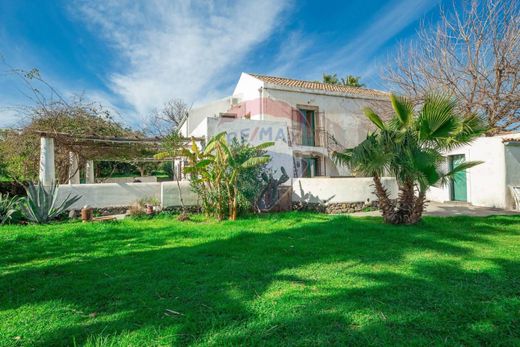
(306, 120)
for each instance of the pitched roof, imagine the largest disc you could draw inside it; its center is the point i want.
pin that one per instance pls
(288, 82)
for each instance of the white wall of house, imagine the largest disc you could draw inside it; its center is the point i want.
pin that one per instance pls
(256, 132)
(248, 87)
(487, 183)
(341, 189)
(512, 157)
(199, 113)
(343, 118)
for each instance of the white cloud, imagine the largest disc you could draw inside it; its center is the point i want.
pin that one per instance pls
(177, 49)
(10, 117)
(358, 55)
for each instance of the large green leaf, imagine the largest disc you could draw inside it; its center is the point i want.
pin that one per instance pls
(255, 161)
(374, 118)
(403, 109)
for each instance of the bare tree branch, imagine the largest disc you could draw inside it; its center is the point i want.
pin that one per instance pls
(473, 54)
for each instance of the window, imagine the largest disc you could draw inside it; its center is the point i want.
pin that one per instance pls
(228, 115)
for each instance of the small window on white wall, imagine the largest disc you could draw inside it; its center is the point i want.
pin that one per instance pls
(228, 115)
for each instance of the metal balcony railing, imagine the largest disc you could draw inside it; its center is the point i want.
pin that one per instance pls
(308, 137)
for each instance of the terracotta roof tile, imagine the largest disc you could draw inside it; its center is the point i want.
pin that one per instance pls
(288, 82)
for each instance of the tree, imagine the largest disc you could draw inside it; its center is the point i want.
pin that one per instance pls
(473, 54)
(330, 79)
(349, 80)
(410, 147)
(20, 147)
(215, 173)
(48, 111)
(166, 120)
(173, 145)
(352, 81)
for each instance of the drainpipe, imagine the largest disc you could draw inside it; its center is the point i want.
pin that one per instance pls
(261, 91)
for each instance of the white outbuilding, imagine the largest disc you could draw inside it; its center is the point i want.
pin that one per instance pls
(490, 184)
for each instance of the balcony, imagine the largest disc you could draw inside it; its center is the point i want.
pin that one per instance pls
(316, 137)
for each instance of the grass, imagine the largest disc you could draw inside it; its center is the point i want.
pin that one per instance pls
(287, 279)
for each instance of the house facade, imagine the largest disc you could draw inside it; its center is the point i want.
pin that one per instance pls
(489, 184)
(306, 120)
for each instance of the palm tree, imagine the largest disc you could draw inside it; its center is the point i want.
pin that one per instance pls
(410, 147)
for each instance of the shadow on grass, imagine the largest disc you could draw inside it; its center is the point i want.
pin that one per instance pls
(312, 280)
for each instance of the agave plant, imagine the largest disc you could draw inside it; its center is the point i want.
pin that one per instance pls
(41, 204)
(8, 206)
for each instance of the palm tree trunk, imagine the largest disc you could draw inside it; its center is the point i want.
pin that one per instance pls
(406, 202)
(418, 208)
(386, 206)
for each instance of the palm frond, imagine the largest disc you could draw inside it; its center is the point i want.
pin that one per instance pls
(373, 117)
(403, 109)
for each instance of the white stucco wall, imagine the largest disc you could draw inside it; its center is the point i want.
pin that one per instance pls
(486, 183)
(512, 158)
(170, 194)
(342, 117)
(257, 132)
(199, 113)
(341, 189)
(109, 194)
(248, 87)
(125, 194)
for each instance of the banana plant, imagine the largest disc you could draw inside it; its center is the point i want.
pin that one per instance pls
(215, 171)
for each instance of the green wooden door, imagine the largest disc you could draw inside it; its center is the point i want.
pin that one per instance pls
(459, 186)
(308, 128)
(310, 166)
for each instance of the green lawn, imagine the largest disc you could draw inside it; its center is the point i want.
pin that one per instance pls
(287, 279)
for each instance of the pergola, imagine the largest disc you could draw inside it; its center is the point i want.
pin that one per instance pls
(94, 148)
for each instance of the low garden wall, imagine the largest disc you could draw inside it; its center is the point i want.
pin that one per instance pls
(331, 195)
(338, 195)
(109, 194)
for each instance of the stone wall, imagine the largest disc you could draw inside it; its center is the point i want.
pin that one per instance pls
(335, 207)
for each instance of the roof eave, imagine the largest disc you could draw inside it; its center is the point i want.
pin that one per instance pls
(324, 92)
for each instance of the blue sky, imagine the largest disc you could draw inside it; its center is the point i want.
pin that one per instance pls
(133, 56)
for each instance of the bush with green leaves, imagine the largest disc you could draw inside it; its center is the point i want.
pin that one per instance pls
(8, 207)
(226, 176)
(41, 204)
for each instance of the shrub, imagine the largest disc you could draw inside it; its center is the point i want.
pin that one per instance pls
(40, 206)
(8, 207)
(226, 177)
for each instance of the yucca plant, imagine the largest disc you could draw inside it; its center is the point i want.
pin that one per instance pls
(8, 207)
(410, 147)
(41, 205)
